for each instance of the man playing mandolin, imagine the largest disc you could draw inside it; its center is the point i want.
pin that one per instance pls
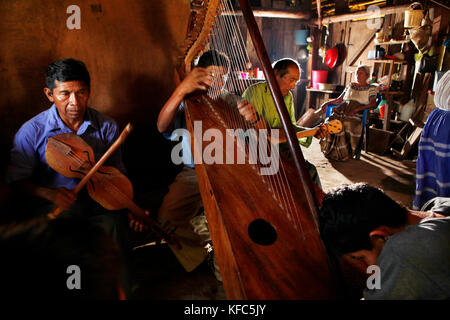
(68, 88)
(259, 109)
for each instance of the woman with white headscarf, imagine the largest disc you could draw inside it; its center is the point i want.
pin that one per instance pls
(355, 98)
(433, 162)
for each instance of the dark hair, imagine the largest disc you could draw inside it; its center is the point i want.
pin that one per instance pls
(282, 66)
(213, 58)
(66, 70)
(350, 212)
(36, 255)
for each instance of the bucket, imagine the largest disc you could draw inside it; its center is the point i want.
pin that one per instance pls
(413, 17)
(319, 76)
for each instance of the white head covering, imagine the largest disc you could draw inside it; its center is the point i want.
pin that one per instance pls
(366, 69)
(442, 93)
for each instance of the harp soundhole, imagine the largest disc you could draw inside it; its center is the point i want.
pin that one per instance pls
(262, 232)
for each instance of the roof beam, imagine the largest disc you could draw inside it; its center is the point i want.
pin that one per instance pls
(319, 14)
(305, 15)
(361, 14)
(341, 6)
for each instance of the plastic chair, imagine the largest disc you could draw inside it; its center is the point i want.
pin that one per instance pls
(365, 131)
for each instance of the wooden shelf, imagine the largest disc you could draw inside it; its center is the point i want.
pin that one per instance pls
(389, 61)
(391, 42)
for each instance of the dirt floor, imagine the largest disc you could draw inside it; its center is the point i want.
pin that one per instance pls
(395, 177)
(159, 276)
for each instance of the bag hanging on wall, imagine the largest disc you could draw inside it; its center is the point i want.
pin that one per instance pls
(420, 36)
(413, 16)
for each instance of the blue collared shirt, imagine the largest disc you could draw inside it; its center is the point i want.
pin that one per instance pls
(28, 161)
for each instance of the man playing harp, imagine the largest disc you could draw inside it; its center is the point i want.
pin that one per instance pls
(182, 205)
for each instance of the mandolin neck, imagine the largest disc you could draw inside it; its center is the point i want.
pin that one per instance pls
(301, 134)
(307, 133)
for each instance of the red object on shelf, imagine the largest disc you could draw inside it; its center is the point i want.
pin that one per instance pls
(319, 76)
(331, 57)
(390, 57)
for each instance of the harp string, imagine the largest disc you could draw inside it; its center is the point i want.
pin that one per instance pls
(224, 34)
(278, 182)
(229, 24)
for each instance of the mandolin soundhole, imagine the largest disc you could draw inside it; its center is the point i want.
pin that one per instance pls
(262, 232)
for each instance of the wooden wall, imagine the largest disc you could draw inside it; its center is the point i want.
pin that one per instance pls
(279, 38)
(351, 37)
(130, 48)
(356, 34)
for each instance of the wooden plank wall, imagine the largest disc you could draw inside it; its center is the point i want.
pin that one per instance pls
(352, 34)
(279, 38)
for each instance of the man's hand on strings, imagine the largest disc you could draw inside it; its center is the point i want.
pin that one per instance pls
(247, 110)
(197, 79)
(136, 225)
(322, 131)
(63, 198)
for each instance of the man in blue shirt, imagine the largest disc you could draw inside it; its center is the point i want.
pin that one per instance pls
(68, 88)
(182, 205)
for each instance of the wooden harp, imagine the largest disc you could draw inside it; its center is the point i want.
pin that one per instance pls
(263, 226)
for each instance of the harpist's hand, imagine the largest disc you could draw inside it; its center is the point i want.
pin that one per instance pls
(64, 198)
(248, 111)
(197, 79)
